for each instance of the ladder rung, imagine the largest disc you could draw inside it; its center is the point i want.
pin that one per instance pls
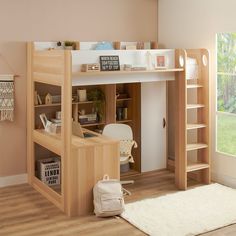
(196, 146)
(195, 126)
(197, 166)
(194, 86)
(192, 106)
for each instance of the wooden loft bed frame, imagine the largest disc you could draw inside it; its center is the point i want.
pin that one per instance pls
(56, 67)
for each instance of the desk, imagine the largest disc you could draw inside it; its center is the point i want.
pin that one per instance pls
(91, 158)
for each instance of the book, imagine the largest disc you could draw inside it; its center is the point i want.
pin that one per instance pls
(35, 98)
(39, 100)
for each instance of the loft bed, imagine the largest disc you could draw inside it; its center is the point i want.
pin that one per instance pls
(62, 69)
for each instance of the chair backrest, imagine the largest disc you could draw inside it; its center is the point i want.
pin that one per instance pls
(118, 131)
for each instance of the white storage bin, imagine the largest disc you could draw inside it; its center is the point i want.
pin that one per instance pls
(49, 170)
(191, 68)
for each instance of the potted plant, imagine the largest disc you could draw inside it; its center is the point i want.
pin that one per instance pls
(98, 97)
(69, 45)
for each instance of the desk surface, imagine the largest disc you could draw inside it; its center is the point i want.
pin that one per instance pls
(92, 141)
(53, 141)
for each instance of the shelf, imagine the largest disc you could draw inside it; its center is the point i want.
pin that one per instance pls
(123, 121)
(196, 146)
(51, 142)
(81, 103)
(197, 166)
(59, 104)
(93, 124)
(194, 86)
(123, 99)
(50, 193)
(48, 105)
(193, 106)
(123, 72)
(195, 126)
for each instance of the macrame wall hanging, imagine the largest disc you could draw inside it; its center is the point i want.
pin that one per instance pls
(7, 92)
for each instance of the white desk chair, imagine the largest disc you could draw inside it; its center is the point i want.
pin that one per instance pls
(123, 133)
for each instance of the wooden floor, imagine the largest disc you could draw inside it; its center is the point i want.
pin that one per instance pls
(24, 212)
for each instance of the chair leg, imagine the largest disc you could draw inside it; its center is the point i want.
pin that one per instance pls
(127, 182)
(126, 192)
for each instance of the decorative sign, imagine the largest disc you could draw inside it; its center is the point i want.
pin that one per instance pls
(109, 63)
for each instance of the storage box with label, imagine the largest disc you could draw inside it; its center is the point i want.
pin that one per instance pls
(49, 170)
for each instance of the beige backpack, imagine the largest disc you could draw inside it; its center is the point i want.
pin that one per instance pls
(108, 197)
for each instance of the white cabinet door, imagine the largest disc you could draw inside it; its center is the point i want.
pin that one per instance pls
(153, 134)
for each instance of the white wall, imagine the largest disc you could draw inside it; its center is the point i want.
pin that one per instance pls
(194, 24)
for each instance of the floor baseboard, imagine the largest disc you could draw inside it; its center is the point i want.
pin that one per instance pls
(224, 179)
(13, 180)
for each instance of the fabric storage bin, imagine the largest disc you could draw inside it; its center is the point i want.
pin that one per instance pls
(49, 171)
(191, 68)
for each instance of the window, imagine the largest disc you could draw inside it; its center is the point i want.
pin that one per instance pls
(226, 93)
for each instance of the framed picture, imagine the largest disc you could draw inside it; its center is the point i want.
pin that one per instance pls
(160, 62)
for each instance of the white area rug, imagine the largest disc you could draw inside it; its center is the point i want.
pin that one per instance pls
(190, 212)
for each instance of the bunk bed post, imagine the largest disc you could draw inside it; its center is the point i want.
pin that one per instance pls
(180, 123)
(66, 133)
(204, 116)
(30, 112)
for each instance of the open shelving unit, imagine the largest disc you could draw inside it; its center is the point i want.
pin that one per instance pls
(192, 152)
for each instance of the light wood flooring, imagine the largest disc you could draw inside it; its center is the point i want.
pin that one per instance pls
(23, 211)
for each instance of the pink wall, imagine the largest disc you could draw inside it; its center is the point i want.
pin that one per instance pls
(76, 19)
(32, 20)
(13, 134)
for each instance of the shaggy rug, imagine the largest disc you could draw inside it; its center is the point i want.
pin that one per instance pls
(186, 213)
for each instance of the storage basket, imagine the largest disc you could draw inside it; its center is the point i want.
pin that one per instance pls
(49, 171)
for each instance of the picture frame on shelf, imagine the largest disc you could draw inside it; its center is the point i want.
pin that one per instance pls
(160, 62)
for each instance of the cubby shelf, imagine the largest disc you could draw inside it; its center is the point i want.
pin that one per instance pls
(123, 121)
(93, 124)
(123, 99)
(123, 72)
(51, 193)
(48, 105)
(59, 104)
(50, 141)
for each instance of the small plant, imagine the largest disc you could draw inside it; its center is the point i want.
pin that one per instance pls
(70, 44)
(98, 97)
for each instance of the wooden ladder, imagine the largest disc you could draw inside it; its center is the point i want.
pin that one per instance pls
(192, 144)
